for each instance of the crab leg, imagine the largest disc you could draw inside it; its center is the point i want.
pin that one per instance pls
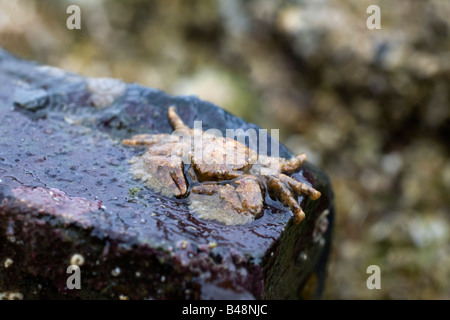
(299, 187)
(292, 164)
(176, 121)
(282, 192)
(147, 139)
(207, 189)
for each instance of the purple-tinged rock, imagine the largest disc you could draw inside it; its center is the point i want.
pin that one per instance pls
(67, 197)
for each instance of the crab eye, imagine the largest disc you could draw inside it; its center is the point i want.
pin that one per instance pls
(218, 172)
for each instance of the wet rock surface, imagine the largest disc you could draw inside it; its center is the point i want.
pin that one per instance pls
(66, 190)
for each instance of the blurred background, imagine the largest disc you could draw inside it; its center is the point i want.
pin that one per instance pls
(370, 107)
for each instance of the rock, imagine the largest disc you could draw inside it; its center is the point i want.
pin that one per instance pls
(67, 197)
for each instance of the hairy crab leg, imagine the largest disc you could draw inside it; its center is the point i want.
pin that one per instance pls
(176, 121)
(299, 187)
(207, 189)
(278, 188)
(292, 164)
(147, 139)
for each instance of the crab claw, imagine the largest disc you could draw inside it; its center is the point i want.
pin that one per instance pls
(163, 174)
(231, 204)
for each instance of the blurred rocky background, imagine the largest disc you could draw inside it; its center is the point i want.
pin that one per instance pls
(370, 107)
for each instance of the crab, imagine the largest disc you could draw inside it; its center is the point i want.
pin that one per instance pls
(224, 180)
